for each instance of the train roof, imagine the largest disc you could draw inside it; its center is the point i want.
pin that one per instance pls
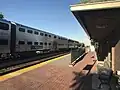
(28, 27)
(34, 29)
(5, 20)
(38, 30)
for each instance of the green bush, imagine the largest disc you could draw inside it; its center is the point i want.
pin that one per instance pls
(1, 16)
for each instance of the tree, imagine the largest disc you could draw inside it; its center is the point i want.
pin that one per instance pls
(1, 16)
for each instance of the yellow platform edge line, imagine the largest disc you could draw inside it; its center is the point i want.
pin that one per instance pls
(21, 71)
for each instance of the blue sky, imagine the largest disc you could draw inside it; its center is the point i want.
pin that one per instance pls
(50, 15)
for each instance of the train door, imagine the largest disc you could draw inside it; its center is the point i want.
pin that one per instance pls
(54, 45)
(13, 39)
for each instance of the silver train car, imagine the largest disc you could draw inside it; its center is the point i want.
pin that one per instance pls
(17, 39)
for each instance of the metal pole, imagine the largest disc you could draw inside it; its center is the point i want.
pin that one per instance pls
(113, 60)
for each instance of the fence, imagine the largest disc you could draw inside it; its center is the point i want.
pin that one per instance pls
(76, 54)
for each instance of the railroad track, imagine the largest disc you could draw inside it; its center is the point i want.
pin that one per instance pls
(12, 66)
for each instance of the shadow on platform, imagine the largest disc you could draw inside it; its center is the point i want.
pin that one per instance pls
(81, 80)
(89, 81)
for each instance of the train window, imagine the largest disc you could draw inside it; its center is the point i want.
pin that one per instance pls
(30, 31)
(59, 38)
(55, 37)
(49, 35)
(41, 34)
(49, 43)
(21, 29)
(4, 26)
(36, 33)
(60, 44)
(21, 42)
(35, 43)
(29, 43)
(45, 43)
(46, 35)
(41, 43)
(3, 42)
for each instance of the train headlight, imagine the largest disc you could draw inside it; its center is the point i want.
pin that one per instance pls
(37, 52)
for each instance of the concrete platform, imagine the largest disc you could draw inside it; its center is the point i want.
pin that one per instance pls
(56, 75)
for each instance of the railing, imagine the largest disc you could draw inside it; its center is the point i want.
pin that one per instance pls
(76, 54)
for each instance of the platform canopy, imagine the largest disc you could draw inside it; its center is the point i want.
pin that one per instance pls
(98, 19)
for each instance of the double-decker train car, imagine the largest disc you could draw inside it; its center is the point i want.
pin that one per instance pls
(17, 39)
(71, 44)
(76, 44)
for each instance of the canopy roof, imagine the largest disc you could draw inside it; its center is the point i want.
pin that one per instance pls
(98, 19)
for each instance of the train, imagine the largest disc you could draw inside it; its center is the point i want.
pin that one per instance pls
(17, 40)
